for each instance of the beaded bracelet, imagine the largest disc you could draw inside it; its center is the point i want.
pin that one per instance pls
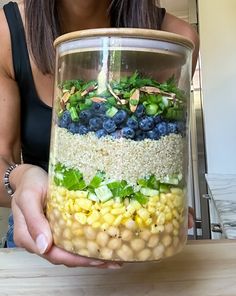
(6, 181)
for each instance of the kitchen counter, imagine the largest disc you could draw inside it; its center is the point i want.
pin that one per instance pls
(203, 268)
(223, 193)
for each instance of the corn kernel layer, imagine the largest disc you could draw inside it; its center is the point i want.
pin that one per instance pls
(127, 231)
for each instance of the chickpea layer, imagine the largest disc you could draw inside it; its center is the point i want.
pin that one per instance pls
(127, 231)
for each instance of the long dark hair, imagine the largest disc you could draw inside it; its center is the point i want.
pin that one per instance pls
(43, 24)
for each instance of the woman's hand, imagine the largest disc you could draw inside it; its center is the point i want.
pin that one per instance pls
(190, 217)
(31, 228)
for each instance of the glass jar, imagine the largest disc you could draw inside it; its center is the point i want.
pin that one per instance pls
(118, 156)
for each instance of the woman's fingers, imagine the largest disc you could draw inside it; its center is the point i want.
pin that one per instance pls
(190, 217)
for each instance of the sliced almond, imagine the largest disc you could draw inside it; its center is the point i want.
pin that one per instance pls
(72, 91)
(135, 97)
(65, 97)
(150, 89)
(98, 100)
(88, 90)
(122, 102)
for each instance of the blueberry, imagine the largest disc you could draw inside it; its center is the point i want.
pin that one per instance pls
(101, 133)
(85, 115)
(120, 117)
(98, 107)
(83, 130)
(146, 123)
(109, 125)
(128, 132)
(180, 126)
(157, 119)
(172, 127)
(117, 134)
(140, 111)
(153, 134)
(162, 128)
(132, 123)
(74, 128)
(140, 135)
(95, 124)
(65, 119)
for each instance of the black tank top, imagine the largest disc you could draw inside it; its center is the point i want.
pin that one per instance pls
(35, 115)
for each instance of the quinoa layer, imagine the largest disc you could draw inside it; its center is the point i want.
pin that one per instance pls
(120, 159)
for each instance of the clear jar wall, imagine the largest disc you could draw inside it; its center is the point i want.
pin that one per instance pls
(118, 158)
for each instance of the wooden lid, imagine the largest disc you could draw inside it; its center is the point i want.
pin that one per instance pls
(126, 32)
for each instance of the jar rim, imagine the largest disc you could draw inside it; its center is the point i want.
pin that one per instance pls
(126, 32)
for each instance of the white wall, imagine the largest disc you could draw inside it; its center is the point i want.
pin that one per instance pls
(217, 23)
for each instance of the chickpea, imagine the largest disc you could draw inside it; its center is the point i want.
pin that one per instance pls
(145, 234)
(106, 253)
(79, 243)
(126, 235)
(56, 230)
(84, 252)
(67, 245)
(56, 213)
(61, 223)
(166, 240)
(125, 253)
(67, 234)
(102, 238)
(89, 233)
(114, 243)
(113, 231)
(144, 254)
(158, 252)
(153, 241)
(92, 248)
(175, 241)
(137, 244)
(169, 228)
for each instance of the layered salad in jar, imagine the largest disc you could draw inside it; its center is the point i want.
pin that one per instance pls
(117, 184)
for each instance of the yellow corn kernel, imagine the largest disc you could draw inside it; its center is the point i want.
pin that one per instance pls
(61, 191)
(175, 214)
(155, 198)
(96, 224)
(117, 205)
(136, 205)
(170, 204)
(118, 220)
(163, 198)
(151, 210)
(175, 232)
(108, 203)
(105, 226)
(97, 206)
(93, 217)
(178, 201)
(148, 221)
(168, 216)
(175, 223)
(81, 218)
(130, 210)
(161, 219)
(143, 214)
(81, 194)
(166, 210)
(85, 204)
(105, 210)
(108, 218)
(138, 221)
(118, 211)
(176, 190)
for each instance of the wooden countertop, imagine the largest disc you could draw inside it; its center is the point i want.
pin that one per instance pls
(203, 268)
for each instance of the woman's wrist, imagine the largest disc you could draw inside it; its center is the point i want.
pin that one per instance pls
(16, 175)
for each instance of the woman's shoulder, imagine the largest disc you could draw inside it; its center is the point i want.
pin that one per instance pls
(6, 50)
